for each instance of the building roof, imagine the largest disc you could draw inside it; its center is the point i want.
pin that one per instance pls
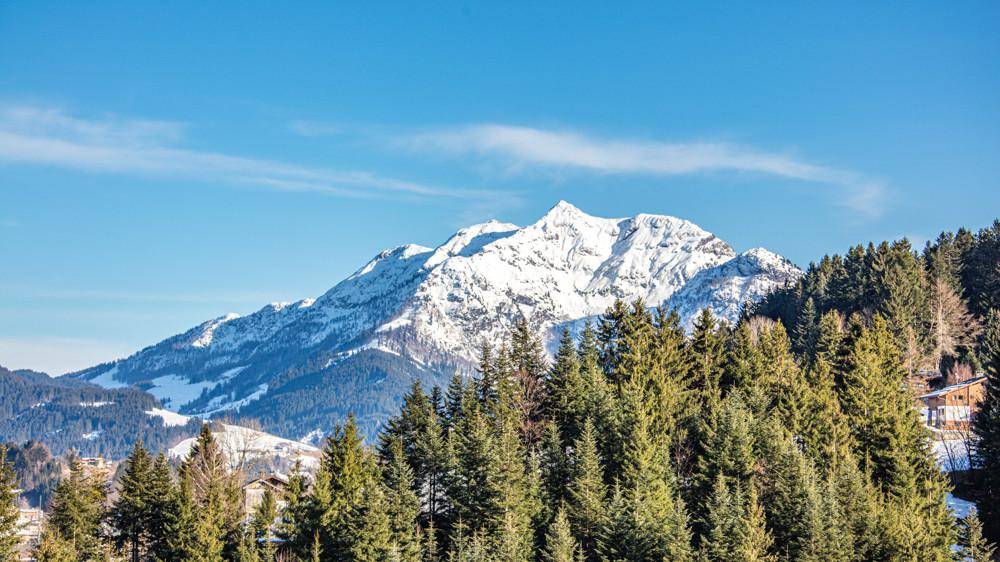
(954, 387)
(272, 479)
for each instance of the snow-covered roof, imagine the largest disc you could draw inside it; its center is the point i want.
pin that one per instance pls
(954, 387)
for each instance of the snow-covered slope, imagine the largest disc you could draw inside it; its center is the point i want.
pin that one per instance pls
(431, 307)
(725, 288)
(245, 446)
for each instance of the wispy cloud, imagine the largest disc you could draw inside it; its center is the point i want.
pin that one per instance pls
(50, 137)
(523, 148)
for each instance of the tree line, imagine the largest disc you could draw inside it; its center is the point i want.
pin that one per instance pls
(934, 301)
(636, 443)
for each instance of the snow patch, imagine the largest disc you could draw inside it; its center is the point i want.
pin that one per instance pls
(107, 379)
(952, 454)
(242, 442)
(170, 419)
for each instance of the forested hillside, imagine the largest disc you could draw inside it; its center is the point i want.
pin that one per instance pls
(637, 443)
(934, 301)
(69, 414)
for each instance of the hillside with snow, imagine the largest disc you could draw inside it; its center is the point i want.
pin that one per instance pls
(414, 312)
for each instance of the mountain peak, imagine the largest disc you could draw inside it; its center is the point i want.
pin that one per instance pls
(414, 311)
(563, 211)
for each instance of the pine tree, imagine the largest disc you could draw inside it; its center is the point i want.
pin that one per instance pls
(587, 494)
(8, 508)
(132, 515)
(559, 543)
(986, 426)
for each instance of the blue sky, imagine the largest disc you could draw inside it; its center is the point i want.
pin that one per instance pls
(164, 164)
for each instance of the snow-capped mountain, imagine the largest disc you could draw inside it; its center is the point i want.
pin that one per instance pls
(417, 312)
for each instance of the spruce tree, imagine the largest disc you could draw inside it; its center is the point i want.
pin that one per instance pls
(735, 523)
(76, 511)
(370, 529)
(554, 465)
(453, 400)
(986, 426)
(528, 378)
(890, 438)
(347, 495)
(8, 508)
(261, 524)
(559, 543)
(807, 330)
(515, 490)
(182, 543)
(132, 515)
(650, 521)
(587, 494)
(215, 496)
(752, 540)
(52, 547)
(794, 503)
(565, 392)
(469, 481)
(707, 352)
(163, 502)
(402, 505)
(975, 548)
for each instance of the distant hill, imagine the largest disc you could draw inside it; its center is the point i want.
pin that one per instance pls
(66, 413)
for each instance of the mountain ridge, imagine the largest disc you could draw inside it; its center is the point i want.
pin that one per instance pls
(428, 308)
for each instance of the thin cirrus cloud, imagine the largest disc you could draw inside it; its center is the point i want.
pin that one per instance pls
(50, 137)
(524, 148)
